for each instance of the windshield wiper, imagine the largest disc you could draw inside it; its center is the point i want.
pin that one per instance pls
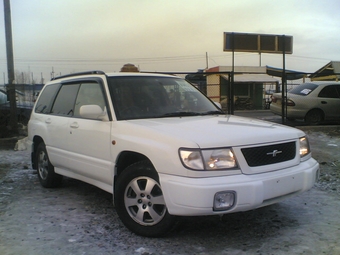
(211, 113)
(180, 114)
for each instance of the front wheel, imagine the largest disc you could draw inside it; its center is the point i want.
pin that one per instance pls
(47, 177)
(140, 202)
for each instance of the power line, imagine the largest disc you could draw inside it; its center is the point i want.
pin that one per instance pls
(142, 60)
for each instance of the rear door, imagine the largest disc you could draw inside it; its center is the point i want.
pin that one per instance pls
(329, 101)
(57, 124)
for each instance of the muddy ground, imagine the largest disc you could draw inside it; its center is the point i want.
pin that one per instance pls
(80, 219)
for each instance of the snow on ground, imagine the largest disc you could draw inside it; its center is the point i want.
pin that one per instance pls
(80, 219)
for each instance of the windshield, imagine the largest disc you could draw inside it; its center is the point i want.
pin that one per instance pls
(303, 89)
(136, 97)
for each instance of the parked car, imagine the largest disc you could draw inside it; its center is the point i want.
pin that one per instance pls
(24, 109)
(163, 149)
(314, 102)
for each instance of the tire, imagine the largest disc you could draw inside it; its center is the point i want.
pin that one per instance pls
(314, 117)
(47, 177)
(140, 203)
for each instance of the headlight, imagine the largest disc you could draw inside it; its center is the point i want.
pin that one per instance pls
(216, 159)
(219, 159)
(191, 159)
(304, 147)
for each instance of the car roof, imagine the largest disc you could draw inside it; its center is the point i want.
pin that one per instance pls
(139, 74)
(109, 74)
(322, 82)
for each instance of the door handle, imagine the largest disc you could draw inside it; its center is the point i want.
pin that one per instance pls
(323, 102)
(74, 125)
(48, 121)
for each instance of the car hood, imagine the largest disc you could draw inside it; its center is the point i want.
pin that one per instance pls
(217, 131)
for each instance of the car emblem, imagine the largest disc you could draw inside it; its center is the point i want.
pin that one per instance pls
(274, 153)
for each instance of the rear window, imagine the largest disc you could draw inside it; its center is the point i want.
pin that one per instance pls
(45, 101)
(64, 103)
(331, 91)
(303, 89)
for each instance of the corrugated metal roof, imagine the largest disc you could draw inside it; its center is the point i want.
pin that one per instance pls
(328, 72)
(257, 78)
(336, 66)
(238, 69)
(290, 74)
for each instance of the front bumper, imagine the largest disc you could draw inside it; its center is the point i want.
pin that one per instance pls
(195, 196)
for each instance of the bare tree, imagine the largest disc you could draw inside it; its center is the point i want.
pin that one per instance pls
(22, 77)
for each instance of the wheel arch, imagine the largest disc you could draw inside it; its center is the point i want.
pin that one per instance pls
(315, 110)
(36, 141)
(125, 159)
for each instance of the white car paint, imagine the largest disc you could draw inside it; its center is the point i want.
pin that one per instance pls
(88, 150)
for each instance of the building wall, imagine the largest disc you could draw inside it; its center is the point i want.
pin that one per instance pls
(213, 87)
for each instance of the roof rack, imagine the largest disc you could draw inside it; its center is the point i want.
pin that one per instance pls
(75, 74)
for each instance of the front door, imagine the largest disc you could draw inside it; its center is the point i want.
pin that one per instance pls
(89, 140)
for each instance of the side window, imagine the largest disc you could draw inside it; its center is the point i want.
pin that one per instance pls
(64, 102)
(46, 99)
(338, 90)
(89, 93)
(329, 92)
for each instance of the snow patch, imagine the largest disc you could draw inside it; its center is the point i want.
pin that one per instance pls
(21, 145)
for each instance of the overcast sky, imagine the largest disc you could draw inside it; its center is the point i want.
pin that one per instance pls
(171, 35)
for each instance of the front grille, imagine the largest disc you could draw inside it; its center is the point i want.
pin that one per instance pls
(270, 154)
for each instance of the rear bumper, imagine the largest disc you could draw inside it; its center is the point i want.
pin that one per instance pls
(291, 112)
(195, 196)
(276, 109)
(30, 146)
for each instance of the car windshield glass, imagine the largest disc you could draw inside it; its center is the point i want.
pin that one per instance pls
(136, 97)
(303, 89)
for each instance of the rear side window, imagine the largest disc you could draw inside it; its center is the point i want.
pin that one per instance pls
(330, 91)
(303, 89)
(65, 100)
(46, 99)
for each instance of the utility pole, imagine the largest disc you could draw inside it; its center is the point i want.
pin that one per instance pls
(13, 121)
(206, 60)
(284, 82)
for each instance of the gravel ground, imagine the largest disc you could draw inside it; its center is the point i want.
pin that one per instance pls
(325, 144)
(80, 219)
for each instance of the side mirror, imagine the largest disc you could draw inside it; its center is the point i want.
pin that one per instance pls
(93, 112)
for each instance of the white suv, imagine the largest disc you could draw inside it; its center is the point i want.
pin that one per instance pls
(162, 148)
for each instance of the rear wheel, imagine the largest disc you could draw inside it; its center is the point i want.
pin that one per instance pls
(314, 117)
(47, 177)
(140, 202)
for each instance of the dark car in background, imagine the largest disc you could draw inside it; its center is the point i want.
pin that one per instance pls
(24, 109)
(314, 102)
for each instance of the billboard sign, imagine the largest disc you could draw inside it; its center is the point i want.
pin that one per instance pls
(261, 43)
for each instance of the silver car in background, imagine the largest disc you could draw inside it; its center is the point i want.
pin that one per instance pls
(314, 102)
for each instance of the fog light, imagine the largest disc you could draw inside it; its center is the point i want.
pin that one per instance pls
(224, 200)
